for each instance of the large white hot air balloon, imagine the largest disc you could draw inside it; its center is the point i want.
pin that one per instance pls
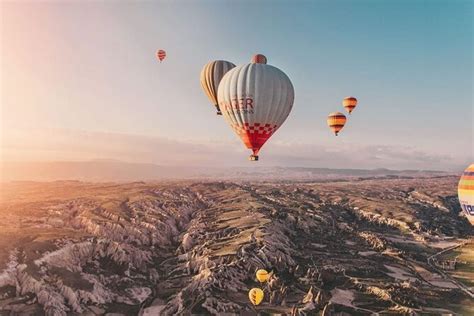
(255, 100)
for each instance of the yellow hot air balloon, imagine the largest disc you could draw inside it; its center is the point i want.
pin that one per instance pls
(466, 193)
(255, 296)
(262, 275)
(336, 121)
(349, 104)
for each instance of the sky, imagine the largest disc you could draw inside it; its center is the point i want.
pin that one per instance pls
(80, 81)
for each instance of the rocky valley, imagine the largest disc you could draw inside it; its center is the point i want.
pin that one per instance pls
(388, 245)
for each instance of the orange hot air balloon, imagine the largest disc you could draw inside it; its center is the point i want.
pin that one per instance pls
(161, 54)
(258, 59)
(349, 104)
(336, 121)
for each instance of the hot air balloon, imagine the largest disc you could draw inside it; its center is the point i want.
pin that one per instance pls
(160, 54)
(466, 193)
(258, 59)
(349, 104)
(336, 121)
(211, 76)
(255, 296)
(262, 275)
(255, 100)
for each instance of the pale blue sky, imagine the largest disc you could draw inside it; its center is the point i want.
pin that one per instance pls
(90, 67)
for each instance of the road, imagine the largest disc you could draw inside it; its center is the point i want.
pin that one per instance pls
(447, 276)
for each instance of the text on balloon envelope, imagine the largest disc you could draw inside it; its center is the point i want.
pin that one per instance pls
(244, 105)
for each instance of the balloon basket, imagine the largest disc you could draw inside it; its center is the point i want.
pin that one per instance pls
(218, 109)
(253, 158)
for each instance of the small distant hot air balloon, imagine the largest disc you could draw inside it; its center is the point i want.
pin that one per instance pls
(466, 193)
(255, 100)
(262, 275)
(160, 54)
(258, 59)
(349, 104)
(255, 296)
(211, 76)
(336, 121)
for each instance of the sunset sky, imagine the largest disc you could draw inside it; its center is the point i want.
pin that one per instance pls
(79, 81)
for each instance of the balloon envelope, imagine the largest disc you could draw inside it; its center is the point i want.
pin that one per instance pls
(211, 76)
(336, 121)
(262, 275)
(255, 100)
(160, 54)
(466, 193)
(349, 104)
(255, 296)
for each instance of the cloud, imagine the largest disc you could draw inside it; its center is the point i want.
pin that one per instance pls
(63, 144)
(73, 145)
(360, 156)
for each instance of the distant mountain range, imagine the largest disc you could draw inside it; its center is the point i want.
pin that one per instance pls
(106, 170)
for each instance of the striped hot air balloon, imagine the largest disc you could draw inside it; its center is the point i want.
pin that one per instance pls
(160, 54)
(258, 59)
(336, 121)
(466, 193)
(256, 296)
(211, 76)
(255, 100)
(349, 104)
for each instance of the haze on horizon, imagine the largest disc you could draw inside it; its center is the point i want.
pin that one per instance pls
(80, 81)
